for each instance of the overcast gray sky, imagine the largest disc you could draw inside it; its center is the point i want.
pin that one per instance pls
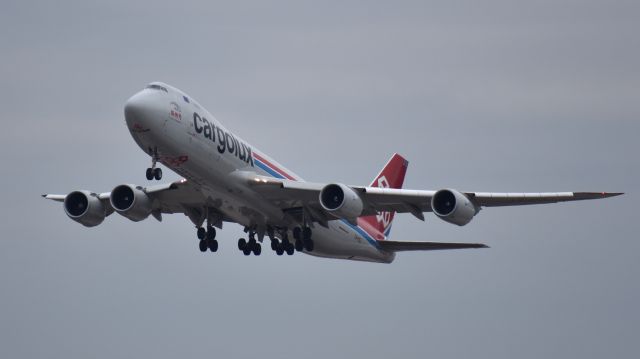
(478, 95)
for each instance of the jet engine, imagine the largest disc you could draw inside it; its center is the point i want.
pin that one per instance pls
(453, 207)
(131, 202)
(341, 201)
(85, 208)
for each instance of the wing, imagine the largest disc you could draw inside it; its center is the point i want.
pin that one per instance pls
(293, 194)
(176, 197)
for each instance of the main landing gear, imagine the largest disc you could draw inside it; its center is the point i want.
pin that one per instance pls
(153, 171)
(247, 247)
(280, 247)
(303, 241)
(207, 239)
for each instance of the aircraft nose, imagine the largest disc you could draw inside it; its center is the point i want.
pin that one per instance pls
(139, 109)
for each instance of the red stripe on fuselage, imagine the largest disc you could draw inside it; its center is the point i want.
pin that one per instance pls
(272, 166)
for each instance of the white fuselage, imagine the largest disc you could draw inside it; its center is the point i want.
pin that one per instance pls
(191, 142)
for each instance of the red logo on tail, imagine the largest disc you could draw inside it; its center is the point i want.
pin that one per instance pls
(391, 176)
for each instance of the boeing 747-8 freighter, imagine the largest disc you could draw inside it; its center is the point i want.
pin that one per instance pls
(225, 179)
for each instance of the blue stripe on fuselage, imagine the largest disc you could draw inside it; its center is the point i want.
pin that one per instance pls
(267, 169)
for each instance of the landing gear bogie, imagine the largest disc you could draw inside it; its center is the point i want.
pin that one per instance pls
(250, 246)
(207, 237)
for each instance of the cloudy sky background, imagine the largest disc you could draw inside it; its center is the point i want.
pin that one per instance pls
(485, 96)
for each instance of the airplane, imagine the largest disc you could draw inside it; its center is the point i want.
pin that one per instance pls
(225, 179)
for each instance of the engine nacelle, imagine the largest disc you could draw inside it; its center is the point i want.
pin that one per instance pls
(85, 208)
(131, 202)
(453, 207)
(341, 201)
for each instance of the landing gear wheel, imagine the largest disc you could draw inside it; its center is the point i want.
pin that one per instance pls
(308, 245)
(289, 249)
(149, 174)
(279, 250)
(299, 245)
(213, 245)
(203, 246)
(257, 249)
(157, 174)
(246, 251)
(274, 244)
(297, 233)
(211, 233)
(201, 233)
(306, 233)
(242, 244)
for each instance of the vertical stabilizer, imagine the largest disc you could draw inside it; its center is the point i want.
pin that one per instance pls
(391, 176)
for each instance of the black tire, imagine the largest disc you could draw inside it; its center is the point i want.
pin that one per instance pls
(211, 233)
(290, 250)
(246, 251)
(203, 246)
(299, 245)
(297, 232)
(274, 244)
(306, 233)
(213, 245)
(201, 233)
(149, 174)
(308, 245)
(257, 249)
(279, 250)
(157, 174)
(242, 244)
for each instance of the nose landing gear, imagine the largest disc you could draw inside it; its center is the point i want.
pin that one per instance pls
(153, 171)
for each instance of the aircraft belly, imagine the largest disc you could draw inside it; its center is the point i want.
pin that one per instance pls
(332, 242)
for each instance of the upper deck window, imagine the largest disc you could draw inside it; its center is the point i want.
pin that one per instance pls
(157, 87)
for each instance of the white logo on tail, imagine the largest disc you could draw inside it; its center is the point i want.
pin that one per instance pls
(383, 217)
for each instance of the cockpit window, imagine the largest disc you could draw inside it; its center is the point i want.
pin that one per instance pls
(157, 87)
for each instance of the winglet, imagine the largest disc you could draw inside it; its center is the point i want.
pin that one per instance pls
(55, 197)
(596, 195)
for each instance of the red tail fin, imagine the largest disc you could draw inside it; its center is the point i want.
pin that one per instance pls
(391, 176)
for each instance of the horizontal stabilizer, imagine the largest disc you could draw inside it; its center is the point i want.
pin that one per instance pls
(395, 246)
